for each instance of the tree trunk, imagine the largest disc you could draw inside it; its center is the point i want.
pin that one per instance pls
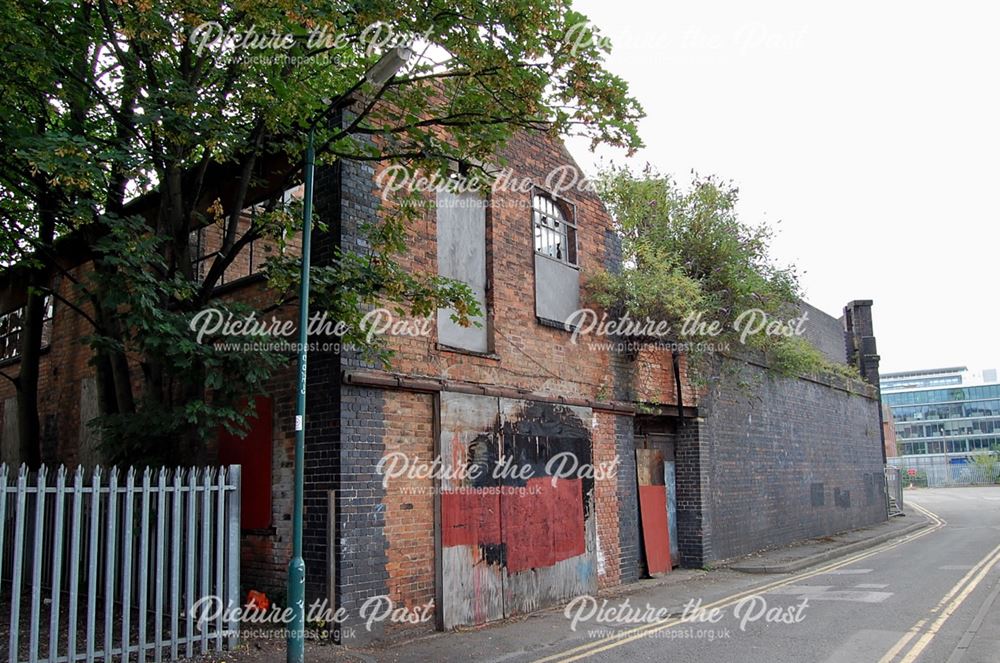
(28, 427)
(30, 350)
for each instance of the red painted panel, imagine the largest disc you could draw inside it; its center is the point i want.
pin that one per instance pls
(253, 452)
(470, 517)
(543, 524)
(655, 536)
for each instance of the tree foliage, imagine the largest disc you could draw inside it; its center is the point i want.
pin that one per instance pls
(687, 255)
(987, 463)
(129, 125)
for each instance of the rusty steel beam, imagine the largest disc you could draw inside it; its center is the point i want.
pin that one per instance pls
(387, 380)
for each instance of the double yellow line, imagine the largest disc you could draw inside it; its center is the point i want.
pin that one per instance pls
(632, 634)
(946, 607)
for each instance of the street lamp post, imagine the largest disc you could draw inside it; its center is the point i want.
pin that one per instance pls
(297, 565)
(383, 70)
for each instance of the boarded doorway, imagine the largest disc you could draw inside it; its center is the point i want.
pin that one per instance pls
(653, 510)
(513, 537)
(655, 443)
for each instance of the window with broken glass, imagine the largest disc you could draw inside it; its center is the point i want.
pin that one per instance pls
(10, 330)
(555, 232)
(206, 243)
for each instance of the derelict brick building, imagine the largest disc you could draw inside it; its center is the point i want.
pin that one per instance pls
(755, 466)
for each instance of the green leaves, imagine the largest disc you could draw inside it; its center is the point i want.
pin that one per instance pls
(685, 251)
(191, 388)
(355, 283)
(192, 108)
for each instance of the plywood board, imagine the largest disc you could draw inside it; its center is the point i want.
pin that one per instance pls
(548, 525)
(471, 550)
(515, 538)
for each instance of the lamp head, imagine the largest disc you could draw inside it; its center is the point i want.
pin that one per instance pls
(388, 65)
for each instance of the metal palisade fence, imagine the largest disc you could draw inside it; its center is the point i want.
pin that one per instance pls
(107, 565)
(893, 490)
(933, 471)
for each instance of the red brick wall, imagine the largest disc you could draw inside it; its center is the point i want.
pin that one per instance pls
(889, 432)
(654, 378)
(62, 367)
(409, 504)
(527, 355)
(606, 503)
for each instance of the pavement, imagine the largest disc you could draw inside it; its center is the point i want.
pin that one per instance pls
(918, 588)
(788, 559)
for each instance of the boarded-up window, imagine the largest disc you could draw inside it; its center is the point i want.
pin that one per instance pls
(557, 290)
(90, 440)
(253, 452)
(461, 242)
(10, 447)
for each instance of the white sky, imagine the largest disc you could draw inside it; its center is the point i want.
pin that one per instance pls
(870, 129)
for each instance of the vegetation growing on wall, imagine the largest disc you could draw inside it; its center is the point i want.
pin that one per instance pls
(688, 257)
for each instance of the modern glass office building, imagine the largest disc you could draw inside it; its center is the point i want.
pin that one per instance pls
(944, 411)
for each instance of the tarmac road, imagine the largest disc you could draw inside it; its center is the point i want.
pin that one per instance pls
(930, 596)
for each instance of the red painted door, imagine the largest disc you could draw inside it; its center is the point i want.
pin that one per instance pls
(252, 450)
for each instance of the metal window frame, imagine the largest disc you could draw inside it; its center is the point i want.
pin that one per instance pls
(568, 211)
(15, 332)
(254, 262)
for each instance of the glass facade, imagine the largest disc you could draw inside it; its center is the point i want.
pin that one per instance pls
(957, 419)
(911, 382)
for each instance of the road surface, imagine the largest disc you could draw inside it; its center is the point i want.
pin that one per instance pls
(929, 597)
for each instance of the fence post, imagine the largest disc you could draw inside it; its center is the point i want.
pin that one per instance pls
(220, 559)
(161, 512)
(175, 561)
(36, 565)
(74, 564)
(57, 548)
(15, 589)
(192, 546)
(110, 558)
(206, 547)
(127, 563)
(94, 538)
(144, 564)
(233, 597)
